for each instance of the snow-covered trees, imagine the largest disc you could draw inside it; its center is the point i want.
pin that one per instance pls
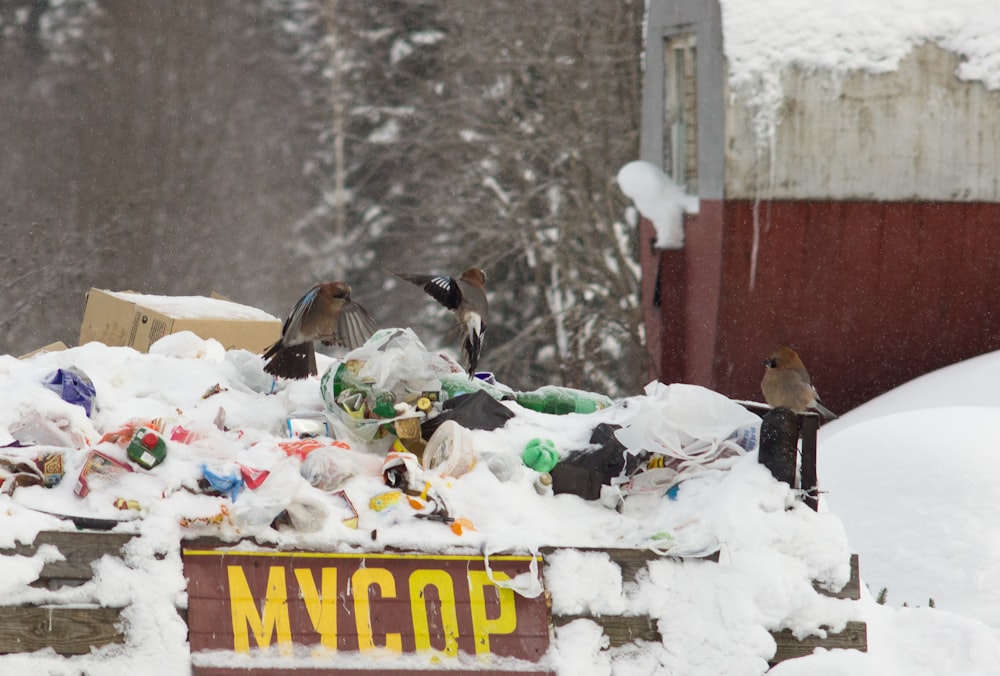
(184, 147)
(490, 134)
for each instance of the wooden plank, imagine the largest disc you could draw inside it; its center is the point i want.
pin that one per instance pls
(375, 671)
(850, 591)
(79, 548)
(807, 468)
(409, 599)
(631, 561)
(68, 631)
(853, 637)
(620, 629)
(849, 273)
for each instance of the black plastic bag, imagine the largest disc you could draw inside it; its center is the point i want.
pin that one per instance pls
(475, 411)
(583, 472)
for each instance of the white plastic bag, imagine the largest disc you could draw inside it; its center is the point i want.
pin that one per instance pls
(688, 429)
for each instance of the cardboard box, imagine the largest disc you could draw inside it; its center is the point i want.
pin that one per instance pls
(136, 320)
(57, 346)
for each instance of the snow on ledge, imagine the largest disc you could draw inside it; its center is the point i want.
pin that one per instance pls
(659, 199)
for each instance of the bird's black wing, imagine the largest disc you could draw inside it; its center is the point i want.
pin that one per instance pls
(442, 288)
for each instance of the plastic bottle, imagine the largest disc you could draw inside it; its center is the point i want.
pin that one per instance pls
(147, 448)
(384, 405)
(505, 466)
(341, 388)
(345, 377)
(746, 437)
(540, 455)
(543, 483)
(458, 384)
(561, 400)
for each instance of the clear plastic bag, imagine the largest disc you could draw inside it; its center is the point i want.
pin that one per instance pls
(329, 468)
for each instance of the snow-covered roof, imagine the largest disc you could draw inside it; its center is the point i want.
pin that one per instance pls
(764, 36)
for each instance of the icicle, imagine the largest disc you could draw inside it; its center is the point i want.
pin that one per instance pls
(755, 248)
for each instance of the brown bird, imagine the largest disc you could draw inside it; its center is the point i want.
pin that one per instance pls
(466, 297)
(325, 313)
(786, 384)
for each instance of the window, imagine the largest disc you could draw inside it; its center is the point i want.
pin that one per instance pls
(680, 154)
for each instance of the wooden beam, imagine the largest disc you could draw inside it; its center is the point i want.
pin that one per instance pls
(357, 671)
(853, 637)
(80, 550)
(68, 631)
(850, 591)
(624, 629)
(807, 471)
(631, 561)
(620, 629)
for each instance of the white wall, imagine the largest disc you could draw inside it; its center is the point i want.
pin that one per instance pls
(915, 133)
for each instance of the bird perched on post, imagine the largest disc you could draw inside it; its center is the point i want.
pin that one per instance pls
(325, 313)
(466, 297)
(786, 384)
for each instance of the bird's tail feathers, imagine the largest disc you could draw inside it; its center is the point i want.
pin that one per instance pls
(825, 412)
(295, 362)
(473, 347)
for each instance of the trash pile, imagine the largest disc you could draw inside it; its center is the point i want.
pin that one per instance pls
(392, 438)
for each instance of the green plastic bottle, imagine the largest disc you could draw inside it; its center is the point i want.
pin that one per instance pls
(458, 384)
(560, 400)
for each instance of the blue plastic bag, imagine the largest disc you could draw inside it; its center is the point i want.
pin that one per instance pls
(230, 485)
(73, 386)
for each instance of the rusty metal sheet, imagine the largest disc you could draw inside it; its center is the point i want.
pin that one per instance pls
(872, 294)
(359, 602)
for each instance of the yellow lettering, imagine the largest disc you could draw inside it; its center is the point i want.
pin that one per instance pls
(272, 620)
(482, 626)
(439, 579)
(321, 605)
(361, 581)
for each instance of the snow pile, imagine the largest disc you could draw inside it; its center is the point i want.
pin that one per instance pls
(659, 199)
(715, 617)
(771, 547)
(932, 445)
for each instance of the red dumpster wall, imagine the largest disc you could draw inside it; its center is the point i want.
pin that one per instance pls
(872, 294)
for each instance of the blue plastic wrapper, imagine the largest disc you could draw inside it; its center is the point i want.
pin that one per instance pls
(73, 386)
(230, 485)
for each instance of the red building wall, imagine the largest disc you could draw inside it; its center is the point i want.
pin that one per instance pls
(872, 294)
